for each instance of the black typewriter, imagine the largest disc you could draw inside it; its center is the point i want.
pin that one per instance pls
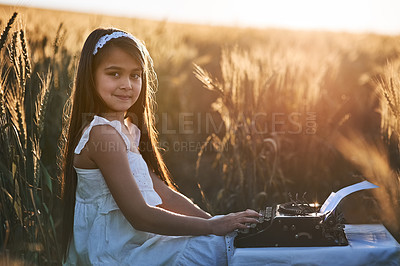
(293, 224)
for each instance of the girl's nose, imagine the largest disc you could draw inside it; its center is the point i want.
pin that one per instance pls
(126, 83)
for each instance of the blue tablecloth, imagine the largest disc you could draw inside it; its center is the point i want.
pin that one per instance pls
(369, 244)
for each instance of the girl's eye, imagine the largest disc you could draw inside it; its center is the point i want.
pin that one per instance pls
(136, 76)
(114, 74)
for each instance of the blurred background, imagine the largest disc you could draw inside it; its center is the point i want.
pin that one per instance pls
(256, 100)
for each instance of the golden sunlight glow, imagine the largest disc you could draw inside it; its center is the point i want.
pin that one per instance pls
(340, 15)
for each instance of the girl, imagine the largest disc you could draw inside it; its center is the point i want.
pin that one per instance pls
(121, 207)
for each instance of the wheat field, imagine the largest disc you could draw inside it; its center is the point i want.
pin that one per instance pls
(245, 117)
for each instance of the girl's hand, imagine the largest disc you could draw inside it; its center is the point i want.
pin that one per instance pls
(227, 223)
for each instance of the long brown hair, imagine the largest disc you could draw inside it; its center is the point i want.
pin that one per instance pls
(85, 103)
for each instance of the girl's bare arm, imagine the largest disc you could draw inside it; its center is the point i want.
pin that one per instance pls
(114, 165)
(175, 201)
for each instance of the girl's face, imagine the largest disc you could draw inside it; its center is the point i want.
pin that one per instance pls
(118, 80)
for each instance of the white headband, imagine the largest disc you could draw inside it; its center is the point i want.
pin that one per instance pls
(117, 34)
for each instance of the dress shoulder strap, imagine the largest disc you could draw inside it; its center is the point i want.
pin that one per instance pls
(98, 120)
(135, 131)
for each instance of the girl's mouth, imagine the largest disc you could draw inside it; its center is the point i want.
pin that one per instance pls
(123, 97)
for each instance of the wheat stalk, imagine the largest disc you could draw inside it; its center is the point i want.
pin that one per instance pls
(388, 86)
(3, 81)
(59, 38)
(373, 162)
(41, 102)
(27, 62)
(12, 52)
(4, 34)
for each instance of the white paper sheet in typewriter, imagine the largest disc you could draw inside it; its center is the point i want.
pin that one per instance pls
(334, 198)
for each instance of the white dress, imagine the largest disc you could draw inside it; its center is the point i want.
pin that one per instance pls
(103, 236)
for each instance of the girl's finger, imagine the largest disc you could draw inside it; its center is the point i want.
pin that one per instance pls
(241, 226)
(249, 212)
(248, 220)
